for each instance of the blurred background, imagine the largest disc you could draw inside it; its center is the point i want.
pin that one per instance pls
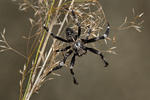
(126, 78)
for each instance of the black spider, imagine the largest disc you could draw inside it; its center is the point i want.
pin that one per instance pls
(77, 46)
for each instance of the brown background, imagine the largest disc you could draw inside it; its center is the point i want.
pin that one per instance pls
(127, 78)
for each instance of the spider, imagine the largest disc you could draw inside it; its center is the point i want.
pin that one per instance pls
(77, 45)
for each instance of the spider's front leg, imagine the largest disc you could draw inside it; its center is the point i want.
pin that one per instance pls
(54, 36)
(88, 32)
(99, 53)
(77, 22)
(71, 69)
(99, 37)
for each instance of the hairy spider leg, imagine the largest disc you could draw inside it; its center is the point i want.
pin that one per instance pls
(99, 37)
(77, 22)
(99, 53)
(66, 56)
(61, 64)
(70, 34)
(79, 29)
(88, 32)
(64, 49)
(71, 69)
(54, 36)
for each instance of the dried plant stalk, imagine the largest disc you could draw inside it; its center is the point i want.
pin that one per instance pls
(135, 22)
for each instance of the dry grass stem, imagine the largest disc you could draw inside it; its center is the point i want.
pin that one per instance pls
(4, 45)
(135, 22)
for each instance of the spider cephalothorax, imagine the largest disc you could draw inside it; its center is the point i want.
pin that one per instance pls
(77, 45)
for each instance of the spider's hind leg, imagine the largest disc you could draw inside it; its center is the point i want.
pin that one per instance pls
(64, 49)
(71, 69)
(99, 53)
(61, 64)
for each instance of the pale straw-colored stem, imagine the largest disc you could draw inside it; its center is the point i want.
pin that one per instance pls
(48, 55)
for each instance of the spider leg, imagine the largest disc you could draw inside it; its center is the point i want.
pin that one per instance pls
(88, 33)
(99, 37)
(99, 53)
(61, 64)
(77, 22)
(64, 49)
(54, 36)
(71, 69)
(79, 29)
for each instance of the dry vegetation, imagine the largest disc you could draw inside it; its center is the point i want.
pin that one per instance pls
(41, 57)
